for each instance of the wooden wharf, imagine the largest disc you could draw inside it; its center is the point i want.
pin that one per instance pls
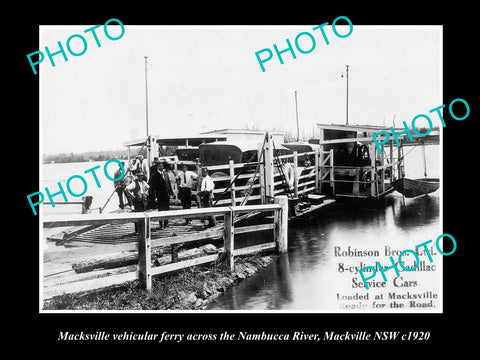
(111, 254)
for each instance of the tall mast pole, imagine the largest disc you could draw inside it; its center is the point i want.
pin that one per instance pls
(296, 111)
(146, 116)
(347, 94)
(146, 95)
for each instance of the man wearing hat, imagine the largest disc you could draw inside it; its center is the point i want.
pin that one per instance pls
(151, 196)
(159, 184)
(120, 186)
(154, 166)
(138, 189)
(141, 165)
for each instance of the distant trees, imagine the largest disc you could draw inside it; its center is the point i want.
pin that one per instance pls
(102, 155)
(289, 137)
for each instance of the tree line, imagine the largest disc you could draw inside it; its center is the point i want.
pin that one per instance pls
(101, 155)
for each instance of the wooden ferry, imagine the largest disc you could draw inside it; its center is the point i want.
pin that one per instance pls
(247, 166)
(357, 169)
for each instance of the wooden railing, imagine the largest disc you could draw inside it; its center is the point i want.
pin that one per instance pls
(307, 179)
(236, 183)
(145, 243)
(254, 182)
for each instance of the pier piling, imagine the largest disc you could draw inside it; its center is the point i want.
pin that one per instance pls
(281, 224)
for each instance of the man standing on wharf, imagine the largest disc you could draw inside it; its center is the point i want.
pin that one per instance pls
(138, 190)
(185, 181)
(159, 184)
(119, 185)
(206, 194)
(141, 165)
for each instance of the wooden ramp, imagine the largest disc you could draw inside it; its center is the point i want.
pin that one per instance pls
(112, 249)
(71, 233)
(118, 234)
(112, 254)
(66, 235)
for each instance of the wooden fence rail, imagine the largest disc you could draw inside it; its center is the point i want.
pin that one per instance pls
(145, 242)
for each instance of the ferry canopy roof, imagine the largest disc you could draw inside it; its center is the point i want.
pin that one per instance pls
(243, 146)
(433, 136)
(300, 146)
(177, 141)
(242, 132)
(358, 128)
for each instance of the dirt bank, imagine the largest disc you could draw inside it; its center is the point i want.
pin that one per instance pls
(190, 289)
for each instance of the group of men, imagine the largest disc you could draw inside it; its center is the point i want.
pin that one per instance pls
(153, 186)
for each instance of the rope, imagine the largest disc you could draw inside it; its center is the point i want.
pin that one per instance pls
(257, 171)
(60, 272)
(424, 160)
(249, 191)
(103, 207)
(403, 156)
(282, 174)
(129, 170)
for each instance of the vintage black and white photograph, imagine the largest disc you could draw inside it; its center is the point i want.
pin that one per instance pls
(241, 168)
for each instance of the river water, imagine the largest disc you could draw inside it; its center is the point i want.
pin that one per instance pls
(61, 172)
(320, 270)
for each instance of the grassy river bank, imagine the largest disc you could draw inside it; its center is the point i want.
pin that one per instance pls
(191, 289)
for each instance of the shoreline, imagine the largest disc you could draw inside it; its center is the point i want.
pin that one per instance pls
(190, 289)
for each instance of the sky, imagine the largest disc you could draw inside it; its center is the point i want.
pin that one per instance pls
(204, 78)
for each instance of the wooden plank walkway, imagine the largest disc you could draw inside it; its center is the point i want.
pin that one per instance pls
(117, 239)
(121, 233)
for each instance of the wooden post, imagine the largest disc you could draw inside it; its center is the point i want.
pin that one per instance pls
(382, 172)
(317, 185)
(199, 182)
(321, 165)
(321, 137)
(145, 253)
(128, 158)
(392, 168)
(149, 154)
(281, 224)
(261, 174)
(85, 208)
(373, 155)
(356, 184)
(332, 173)
(399, 163)
(174, 251)
(228, 236)
(269, 168)
(295, 175)
(153, 149)
(232, 187)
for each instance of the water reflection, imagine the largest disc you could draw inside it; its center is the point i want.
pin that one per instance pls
(417, 211)
(283, 291)
(272, 289)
